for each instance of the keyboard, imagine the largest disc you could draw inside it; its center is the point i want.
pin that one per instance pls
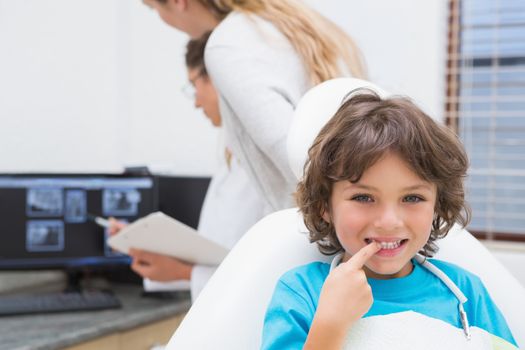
(57, 302)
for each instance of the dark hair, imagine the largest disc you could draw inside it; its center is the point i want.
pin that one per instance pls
(364, 129)
(195, 53)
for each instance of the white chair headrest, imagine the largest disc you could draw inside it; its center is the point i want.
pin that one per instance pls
(315, 108)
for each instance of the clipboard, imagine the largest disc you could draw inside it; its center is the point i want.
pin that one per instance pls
(160, 233)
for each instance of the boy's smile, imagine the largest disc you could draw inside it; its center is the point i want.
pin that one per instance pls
(389, 246)
(390, 205)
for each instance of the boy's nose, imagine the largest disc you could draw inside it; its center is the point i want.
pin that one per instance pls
(388, 218)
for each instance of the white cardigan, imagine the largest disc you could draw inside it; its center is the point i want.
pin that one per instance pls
(260, 79)
(230, 208)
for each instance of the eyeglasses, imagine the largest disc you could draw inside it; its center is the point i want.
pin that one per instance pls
(189, 88)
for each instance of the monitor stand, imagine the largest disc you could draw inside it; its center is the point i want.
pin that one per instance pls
(73, 281)
(78, 281)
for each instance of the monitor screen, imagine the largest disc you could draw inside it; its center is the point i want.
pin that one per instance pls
(46, 221)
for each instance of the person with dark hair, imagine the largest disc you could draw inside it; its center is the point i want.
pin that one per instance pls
(200, 86)
(230, 208)
(383, 181)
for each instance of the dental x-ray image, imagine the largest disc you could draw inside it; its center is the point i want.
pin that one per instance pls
(44, 202)
(44, 235)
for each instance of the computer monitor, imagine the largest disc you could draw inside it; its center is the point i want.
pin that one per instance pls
(46, 220)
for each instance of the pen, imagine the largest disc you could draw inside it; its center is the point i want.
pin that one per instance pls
(102, 222)
(99, 220)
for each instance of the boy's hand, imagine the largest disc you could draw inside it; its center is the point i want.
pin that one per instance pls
(345, 297)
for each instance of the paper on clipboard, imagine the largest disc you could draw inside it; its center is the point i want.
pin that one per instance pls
(162, 234)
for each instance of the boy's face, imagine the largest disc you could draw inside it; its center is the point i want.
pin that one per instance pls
(390, 204)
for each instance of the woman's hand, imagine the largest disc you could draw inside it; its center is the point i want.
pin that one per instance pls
(159, 267)
(154, 266)
(115, 226)
(345, 297)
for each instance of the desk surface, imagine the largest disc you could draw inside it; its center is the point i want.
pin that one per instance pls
(54, 331)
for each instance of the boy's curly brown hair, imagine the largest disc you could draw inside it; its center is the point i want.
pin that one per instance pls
(365, 128)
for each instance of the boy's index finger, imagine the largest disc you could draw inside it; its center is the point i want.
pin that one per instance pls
(359, 259)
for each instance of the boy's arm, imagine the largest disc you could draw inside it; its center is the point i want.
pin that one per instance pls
(345, 297)
(325, 335)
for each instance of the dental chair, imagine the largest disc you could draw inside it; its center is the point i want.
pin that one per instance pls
(229, 312)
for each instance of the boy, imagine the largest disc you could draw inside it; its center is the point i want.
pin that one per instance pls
(383, 181)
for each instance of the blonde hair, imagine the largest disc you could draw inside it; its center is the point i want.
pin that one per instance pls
(320, 43)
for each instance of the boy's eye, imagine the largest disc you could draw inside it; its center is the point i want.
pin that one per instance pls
(362, 198)
(412, 199)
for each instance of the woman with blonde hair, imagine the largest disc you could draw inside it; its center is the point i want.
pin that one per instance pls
(262, 56)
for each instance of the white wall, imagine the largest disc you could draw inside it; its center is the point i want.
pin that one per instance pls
(404, 43)
(57, 85)
(92, 86)
(95, 85)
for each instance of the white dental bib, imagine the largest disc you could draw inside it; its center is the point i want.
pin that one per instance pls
(412, 330)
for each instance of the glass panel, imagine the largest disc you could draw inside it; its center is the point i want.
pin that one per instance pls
(492, 111)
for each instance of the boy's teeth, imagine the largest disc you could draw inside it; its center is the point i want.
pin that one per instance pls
(389, 245)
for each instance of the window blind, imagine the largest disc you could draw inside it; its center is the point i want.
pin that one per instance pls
(486, 105)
